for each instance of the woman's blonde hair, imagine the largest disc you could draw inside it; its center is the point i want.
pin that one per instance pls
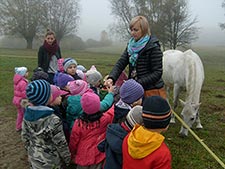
(49, 32)
(143, 23)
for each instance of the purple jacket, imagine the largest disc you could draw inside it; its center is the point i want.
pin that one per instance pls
(20, 83)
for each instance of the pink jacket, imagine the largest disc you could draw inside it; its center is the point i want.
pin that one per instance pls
(20, 83)
(84, 140)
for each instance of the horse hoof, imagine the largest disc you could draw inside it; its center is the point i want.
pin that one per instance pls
(172, 121)
(199, 126)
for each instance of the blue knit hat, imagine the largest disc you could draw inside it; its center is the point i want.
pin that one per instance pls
(82, 68)
(156, 112)
(69, 61)
(131, 91)
(38, 92)
(62, 79)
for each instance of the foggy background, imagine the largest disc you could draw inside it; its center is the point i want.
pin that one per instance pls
(96, 17)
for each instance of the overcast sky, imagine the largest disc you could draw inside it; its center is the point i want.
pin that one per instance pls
(96, 16)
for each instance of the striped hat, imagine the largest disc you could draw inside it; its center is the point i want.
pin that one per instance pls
(38, 92)
(67, 62)
(133, 117)
(156, 112)
(131, 91)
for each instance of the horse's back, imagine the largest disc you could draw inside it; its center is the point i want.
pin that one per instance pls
(194, 60)
(194, 75)
(173, 64)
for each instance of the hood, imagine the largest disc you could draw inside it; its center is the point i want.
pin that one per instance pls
(34, 113)
(121, 109)
(153, 42)
(142, 142)
(17, 78)
(114, 136)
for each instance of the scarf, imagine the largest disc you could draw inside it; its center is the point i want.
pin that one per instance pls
(51, 49)
(134, 47)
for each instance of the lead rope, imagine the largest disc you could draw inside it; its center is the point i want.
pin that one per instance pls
(199, 140)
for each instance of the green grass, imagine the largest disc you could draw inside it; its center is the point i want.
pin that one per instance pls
(186, 152)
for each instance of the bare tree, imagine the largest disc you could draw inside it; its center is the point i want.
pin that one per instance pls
(62, 16)
(222, 25)
(170, 20)
(20, 17)
(123, 11)
(30, 18)
(179, 29)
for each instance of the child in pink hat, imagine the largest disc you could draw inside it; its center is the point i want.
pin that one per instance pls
(56, 95)
(60, 65)
(77, 87)
(55, 102)
(74, 110)
(88, 130)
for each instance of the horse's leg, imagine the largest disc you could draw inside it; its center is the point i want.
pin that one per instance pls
(199, 125)
(176, 91)
(167, 93)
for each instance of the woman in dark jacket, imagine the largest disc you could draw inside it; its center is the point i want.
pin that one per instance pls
(48, 55)
(144, 57)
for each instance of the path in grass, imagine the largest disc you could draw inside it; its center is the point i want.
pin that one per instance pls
(12, 152)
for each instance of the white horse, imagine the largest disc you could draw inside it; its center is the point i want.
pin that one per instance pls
(184, 70)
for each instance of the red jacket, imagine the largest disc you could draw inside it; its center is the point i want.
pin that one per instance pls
(160, 158)
(84, 140)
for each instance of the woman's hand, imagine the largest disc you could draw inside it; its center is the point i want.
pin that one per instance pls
(108, 82)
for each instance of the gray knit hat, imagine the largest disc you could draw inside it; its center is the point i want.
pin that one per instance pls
(93, 76)
(133, 117)
(38, 92)
(131, 91)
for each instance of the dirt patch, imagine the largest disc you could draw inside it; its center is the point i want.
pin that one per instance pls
(12, 152)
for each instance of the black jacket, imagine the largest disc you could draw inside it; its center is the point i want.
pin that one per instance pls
(112, 146)
(44, 58)
(148, 66)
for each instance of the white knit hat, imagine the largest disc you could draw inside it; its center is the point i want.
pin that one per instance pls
(21, 70)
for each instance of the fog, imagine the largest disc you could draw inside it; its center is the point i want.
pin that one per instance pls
(96, 16)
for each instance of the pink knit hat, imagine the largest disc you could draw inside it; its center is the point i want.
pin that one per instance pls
(55, 90)
(90, 103)
(77, 87)
(60, 64)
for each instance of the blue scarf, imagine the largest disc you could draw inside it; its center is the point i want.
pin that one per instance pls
(134, 47)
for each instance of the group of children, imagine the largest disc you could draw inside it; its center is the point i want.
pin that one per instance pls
(78, 120)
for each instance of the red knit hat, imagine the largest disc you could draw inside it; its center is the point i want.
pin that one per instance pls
(90, 102)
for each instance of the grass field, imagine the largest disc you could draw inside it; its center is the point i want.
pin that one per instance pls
(187, 153)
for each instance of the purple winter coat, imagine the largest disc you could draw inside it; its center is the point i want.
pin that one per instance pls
(20, 83)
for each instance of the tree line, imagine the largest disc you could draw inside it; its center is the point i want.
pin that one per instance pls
(170, 20)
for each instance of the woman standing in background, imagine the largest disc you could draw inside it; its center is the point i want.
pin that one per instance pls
(48, 55)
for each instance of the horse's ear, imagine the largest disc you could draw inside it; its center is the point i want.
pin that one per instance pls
(197, 105)
(182, 102)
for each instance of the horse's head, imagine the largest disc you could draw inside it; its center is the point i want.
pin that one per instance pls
(189, 115)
